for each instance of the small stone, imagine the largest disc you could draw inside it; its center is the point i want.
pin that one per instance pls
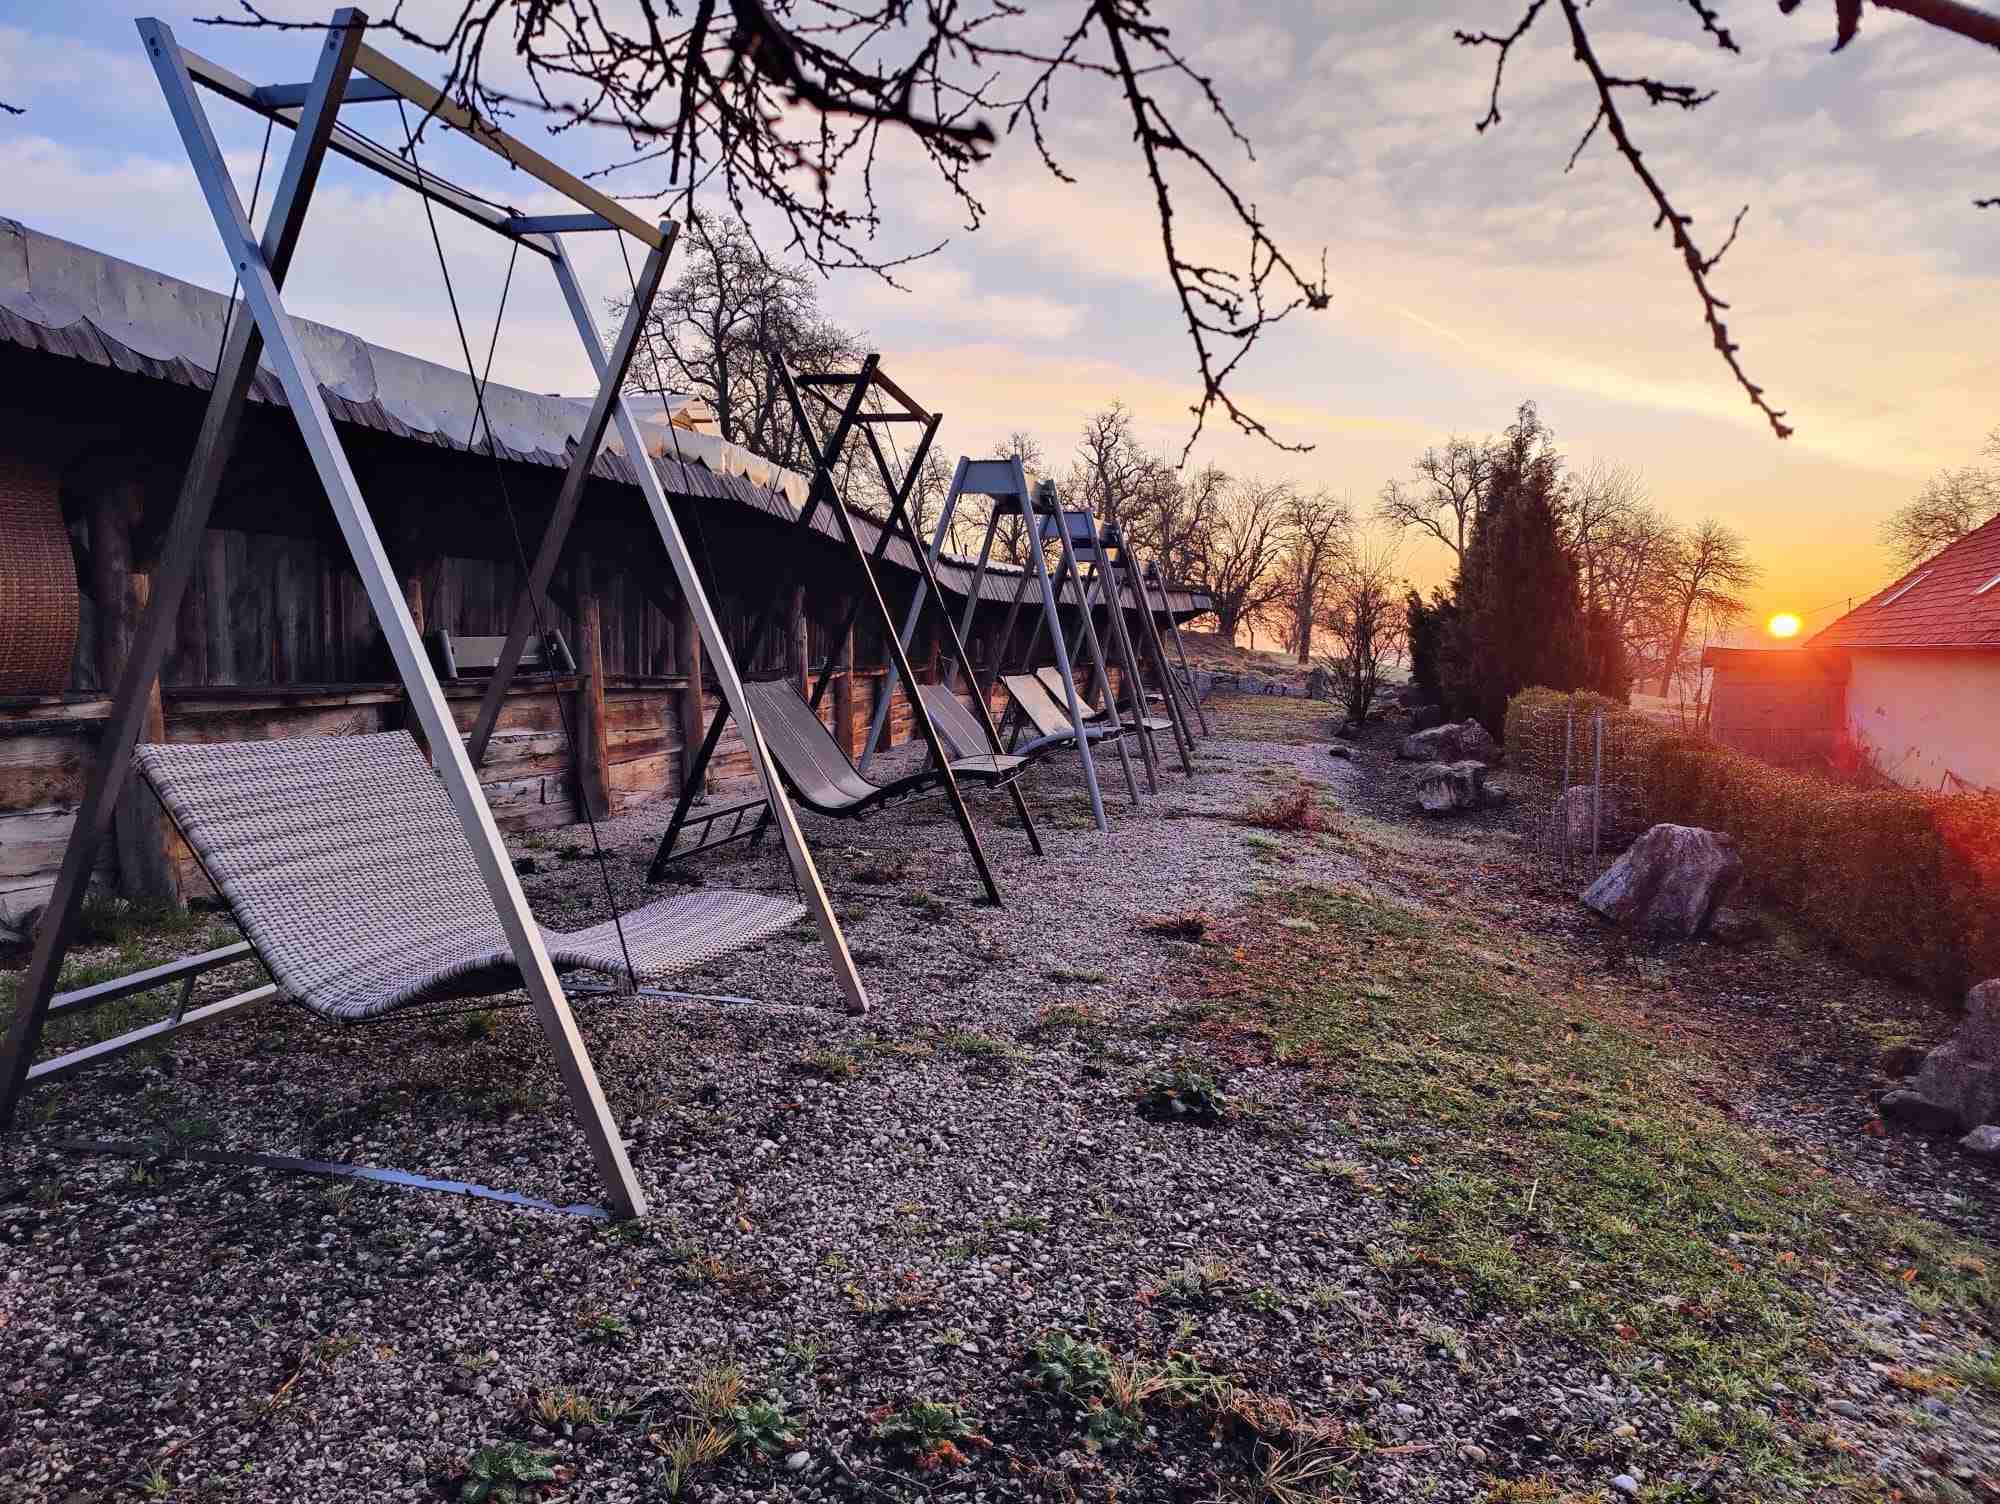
(1847, 1409)
(1346, 754)
(1625, 1431)
(1472, 1452)
(1627, 1485)
(796, 1462)
(1407, 1412)
(1983, 1141)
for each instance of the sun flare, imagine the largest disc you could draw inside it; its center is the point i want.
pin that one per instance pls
(1784, 624)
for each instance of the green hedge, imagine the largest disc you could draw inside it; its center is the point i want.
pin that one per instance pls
(1906, 882)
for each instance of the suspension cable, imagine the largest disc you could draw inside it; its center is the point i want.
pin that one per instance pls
(482, 418)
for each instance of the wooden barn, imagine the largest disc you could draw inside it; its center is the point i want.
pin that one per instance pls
(107, 365)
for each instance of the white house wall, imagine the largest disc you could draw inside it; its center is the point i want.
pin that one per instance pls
(1928, 717)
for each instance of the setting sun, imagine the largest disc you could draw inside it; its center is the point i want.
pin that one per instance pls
(1784, 624)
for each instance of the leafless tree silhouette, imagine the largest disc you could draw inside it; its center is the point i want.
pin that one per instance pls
(1612, 89)
(787, 105)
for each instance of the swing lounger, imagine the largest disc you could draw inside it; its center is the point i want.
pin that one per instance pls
(823, 777)
(1051, 678)
(348, 870)
(964, 736)
(1049, 716)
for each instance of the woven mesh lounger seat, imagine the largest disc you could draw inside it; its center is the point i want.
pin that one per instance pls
(821, 774)
(1052, 681)
(963, 735)
(347, 868)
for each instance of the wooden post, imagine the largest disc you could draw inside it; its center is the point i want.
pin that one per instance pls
(798, 641)
(593, 744)
(123, 590)
(693, 707)
(843, 684)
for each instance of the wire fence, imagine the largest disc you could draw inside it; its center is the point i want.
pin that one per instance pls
(1579, 775)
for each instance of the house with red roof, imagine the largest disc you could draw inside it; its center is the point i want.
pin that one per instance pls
(1921, 662)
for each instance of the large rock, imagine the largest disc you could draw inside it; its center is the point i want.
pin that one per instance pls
(1670, 883)
(1958, 1084)
(1448, 743)
(1445, 788)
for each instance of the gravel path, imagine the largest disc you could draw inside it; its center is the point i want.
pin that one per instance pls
(856, 1215)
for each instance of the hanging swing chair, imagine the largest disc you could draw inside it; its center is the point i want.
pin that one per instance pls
(368, 877)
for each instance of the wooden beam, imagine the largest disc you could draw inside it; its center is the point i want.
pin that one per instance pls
(433, 101)
(593, 745)
(140, 832)
(843, 683)
(798, 641)
(693, 709)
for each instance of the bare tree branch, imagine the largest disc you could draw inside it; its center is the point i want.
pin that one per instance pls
(787, 105)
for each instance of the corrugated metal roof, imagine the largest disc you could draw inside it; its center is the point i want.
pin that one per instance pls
(70, 301)
(1950, 601)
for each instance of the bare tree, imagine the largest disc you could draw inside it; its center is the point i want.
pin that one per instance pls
(717, 329)
(1244, 547)
(1951, 504)
(1709, 566)
(790, 104)
(1444, 495)
(1365, 616)
(1613, 88)
(1318, 530)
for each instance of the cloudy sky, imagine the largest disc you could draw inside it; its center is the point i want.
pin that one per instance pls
(1469, 272)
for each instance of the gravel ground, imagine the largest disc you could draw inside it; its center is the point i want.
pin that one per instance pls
(856, 1214)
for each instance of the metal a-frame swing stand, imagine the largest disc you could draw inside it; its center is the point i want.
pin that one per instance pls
(1153, 575)
(851, 415)
(1088, 571)
(1120, 560)
(311, 110)
(1004, 484)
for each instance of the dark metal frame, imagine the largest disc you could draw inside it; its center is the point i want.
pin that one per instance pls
(1152, 573)
(1005, 484)
(311, 111)
(825, 454)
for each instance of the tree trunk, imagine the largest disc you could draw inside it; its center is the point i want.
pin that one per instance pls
(1673, 663)
(140, 829)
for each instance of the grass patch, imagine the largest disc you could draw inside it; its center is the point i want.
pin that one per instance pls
(1571, 1166)
(1296, 811)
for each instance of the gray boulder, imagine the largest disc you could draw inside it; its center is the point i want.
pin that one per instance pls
(1958, 1085)
(1450, 742)
(1473, 741)
(1445, 788)
(1670, 883)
